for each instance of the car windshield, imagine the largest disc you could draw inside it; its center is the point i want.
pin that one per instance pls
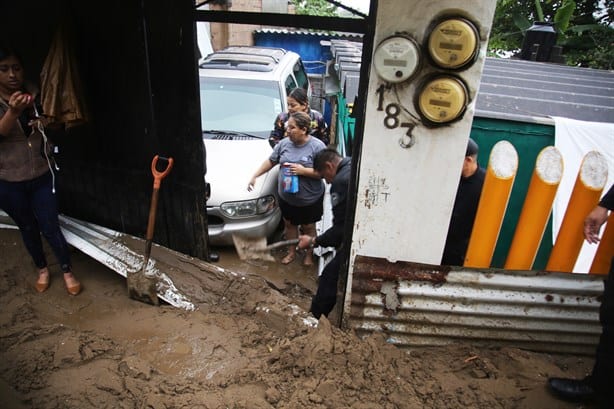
(248, 106)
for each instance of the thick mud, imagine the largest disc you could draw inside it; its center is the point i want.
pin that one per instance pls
(249, 344)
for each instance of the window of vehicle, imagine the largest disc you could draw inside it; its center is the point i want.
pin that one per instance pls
(233, 104)
(301, 75)
(290, 84)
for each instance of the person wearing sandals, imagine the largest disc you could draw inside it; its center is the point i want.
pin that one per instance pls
(27, 192)
(303, 207)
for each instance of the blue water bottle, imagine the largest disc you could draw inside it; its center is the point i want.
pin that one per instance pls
(290, 181)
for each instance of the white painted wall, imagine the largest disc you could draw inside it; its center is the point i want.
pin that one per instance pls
(405, 195)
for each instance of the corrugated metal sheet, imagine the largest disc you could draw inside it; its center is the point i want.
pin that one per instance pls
(309, 33)
(419, 305)
(518, 89)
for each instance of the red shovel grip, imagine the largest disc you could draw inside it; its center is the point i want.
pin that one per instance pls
(158, 176)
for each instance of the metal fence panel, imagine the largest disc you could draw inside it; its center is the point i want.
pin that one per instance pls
(424, 305)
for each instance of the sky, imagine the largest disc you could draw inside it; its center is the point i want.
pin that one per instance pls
(360, 5)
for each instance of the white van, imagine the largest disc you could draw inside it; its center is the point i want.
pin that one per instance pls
(242, 90)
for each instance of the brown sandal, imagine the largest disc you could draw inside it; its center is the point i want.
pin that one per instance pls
(42, 284)
(72, 285)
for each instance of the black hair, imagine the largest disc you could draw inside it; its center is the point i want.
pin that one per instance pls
(299, 95)
(323, 156)
(7, 51)
(472, 148)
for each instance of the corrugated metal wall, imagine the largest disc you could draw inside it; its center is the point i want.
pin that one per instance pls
(421, 305)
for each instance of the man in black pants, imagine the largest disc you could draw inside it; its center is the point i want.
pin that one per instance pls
(335, 170)
(600, 384)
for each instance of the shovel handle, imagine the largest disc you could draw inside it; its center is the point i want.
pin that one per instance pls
(158, 176)
(280, 244)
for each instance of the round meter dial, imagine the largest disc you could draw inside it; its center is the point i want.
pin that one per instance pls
(453, 43)
(442, 99)
(396, 58)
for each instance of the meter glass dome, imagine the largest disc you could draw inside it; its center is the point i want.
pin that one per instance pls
(396, 59)
(453, 43)
(442, 99)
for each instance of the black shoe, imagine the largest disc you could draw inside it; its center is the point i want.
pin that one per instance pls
(575, 390)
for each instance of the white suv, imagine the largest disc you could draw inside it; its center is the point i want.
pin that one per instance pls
(242, 90)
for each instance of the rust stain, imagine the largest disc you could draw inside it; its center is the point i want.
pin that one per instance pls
(374, 268)
(366, 286)
(549, 298)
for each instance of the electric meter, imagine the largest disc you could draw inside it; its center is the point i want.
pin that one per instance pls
(396, 58)
(442, 99)
(453, 43)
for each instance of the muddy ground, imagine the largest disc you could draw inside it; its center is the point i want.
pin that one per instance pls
(249, 344)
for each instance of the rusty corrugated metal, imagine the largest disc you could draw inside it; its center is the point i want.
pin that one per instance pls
(418, 305)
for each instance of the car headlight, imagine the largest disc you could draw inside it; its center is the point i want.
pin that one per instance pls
(247, 208)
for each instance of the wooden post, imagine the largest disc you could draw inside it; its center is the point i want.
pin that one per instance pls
(500, 175)
(536, 209)
(590, 181)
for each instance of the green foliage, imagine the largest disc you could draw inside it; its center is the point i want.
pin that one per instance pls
(315, 8)
(563, 15)
(585, 28)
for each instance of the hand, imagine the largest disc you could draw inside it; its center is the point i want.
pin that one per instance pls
(304, 241)
(295, 168)
(250, 185)
(593, 223)
(18, 101)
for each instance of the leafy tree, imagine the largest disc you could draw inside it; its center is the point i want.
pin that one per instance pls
(315, 8)
(584, 27)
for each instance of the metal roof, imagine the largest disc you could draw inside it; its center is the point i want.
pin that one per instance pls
(530, 91)
(339, 34)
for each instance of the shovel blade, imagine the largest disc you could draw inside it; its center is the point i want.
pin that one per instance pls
(251, 248)
(142, 287)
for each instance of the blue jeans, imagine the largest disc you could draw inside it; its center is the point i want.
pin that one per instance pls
(33, 207)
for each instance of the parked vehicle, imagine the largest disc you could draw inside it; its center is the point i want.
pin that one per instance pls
(242, 90)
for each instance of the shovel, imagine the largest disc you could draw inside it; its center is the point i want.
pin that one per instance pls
(141, 286)
(256, 248)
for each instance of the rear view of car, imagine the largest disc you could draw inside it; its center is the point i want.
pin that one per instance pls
(242, 90)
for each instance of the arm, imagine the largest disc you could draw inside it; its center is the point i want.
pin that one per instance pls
(17, 103)
(598, 216)
(321, 129)
(265, 167)
(333, 236)
(301, 170)
(279, 129)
